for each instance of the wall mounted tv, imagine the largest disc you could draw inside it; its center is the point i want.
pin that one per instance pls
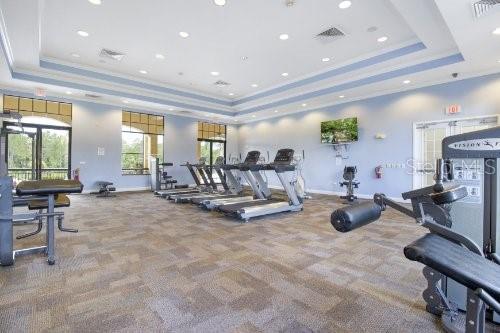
(339, 131)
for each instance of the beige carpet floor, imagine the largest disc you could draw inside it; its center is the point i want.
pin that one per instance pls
(141, 264)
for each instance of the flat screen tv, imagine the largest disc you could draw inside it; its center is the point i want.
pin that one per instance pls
(339, 131)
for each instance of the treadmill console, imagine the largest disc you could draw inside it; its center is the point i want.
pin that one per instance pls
(284, 157)
(252, 157)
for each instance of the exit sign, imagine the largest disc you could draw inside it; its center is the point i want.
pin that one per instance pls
(453, 109)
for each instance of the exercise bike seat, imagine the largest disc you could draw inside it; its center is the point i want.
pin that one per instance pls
(456, 262)
(61, 201)
(48, 187)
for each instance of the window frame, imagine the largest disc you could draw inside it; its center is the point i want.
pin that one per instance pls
(144, 171)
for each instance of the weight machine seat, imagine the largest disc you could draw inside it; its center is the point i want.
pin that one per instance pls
(47, 187)
(456, 262)
(62, 200)
(104, 183)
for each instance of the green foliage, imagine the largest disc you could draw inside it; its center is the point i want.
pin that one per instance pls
(132, 151)
(339, 131)
(54, 150)
(20, 152)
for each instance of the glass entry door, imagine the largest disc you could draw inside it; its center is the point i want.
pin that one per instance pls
(210, 150)
(21, 157)
(38, 152)
(54, 154)
(427, 141)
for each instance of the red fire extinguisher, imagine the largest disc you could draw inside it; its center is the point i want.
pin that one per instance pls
(76, 174)
(378, 172)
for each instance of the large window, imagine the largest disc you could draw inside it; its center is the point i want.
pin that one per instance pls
(211, 143)
(142, 137)
(41, 147)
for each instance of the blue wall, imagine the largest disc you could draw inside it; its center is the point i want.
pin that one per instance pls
(393, 115)
(99, 126)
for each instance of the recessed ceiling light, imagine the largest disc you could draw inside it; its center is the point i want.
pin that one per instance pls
(284, 36)
(125, 101)
(69, 93)
(382, 39)
(170, 109)
(236, 120)
(95, 2)
(255, 85)
(275, 111)
(284, 74)
(159, 56)
(220, 2)
(82, 33)
(142, 71)
(498, 61)
(253, 116)
(406, 81)
(231, 94)
(214, 73)
(304, 105)
(496, 31)
(341, 96)
(345, 4)
(75, 55)
(184, 34)
(325, 59)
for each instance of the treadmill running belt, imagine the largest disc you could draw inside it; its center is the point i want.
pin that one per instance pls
(231, 208)
(200, 199)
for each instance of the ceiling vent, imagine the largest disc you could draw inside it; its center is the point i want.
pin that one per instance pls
(117, 56)
(483, 6)
(92, 96)
(330, 35)
(221, 83)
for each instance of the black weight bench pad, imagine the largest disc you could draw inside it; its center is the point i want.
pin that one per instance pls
(104, 183)
(456, 262)
(46, 187)
(62, 200)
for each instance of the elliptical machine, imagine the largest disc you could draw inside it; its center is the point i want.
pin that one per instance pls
(350, 183)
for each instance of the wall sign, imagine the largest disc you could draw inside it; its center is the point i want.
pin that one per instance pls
(453, 109)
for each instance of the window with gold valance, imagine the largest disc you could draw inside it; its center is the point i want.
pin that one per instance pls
(142, 137)
(33, 107)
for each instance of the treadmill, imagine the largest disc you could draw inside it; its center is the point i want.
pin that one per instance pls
(227, 191)
(209, 203)
(282, 165)
(196, 178)
(206, 183)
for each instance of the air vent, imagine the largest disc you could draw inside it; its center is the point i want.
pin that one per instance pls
(330, 35)
(117, 56)
(221, 83)
(92, 96)
(483, 6)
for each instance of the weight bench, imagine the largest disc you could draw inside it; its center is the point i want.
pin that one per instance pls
(61, 201)
(479, 275)
(105, 189)
(43, 195)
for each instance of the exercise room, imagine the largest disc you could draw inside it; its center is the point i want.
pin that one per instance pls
(250, 166)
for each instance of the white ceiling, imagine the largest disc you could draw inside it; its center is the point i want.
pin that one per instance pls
(40, 37)
(219, 38)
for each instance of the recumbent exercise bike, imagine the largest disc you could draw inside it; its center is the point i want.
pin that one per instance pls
(349, 183)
